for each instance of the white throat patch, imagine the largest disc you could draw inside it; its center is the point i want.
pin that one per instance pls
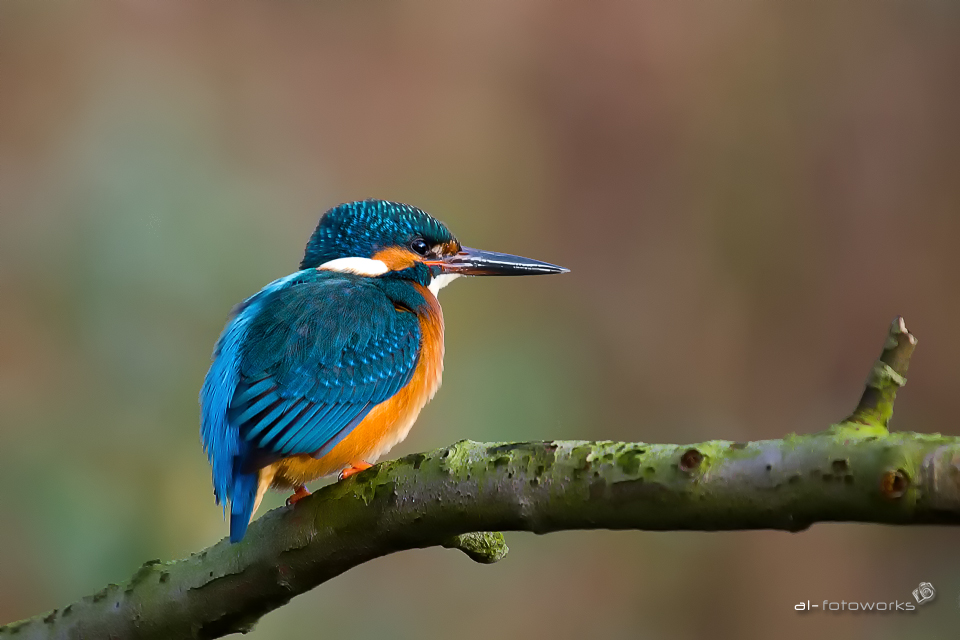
(440, 281)
(358, 266)
(371, 267)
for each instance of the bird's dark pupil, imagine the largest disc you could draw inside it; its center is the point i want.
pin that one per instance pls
(420, 246)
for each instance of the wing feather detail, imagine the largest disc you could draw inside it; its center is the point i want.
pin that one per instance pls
(318, 357)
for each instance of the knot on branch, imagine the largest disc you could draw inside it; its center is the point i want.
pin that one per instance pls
(485, 547)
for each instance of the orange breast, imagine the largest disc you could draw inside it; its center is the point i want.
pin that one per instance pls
(388, 423)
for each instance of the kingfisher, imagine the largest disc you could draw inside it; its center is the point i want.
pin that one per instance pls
(325, 370)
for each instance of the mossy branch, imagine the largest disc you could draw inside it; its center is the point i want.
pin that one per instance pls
(853, 471)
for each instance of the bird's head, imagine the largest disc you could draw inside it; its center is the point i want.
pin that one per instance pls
(378, 237)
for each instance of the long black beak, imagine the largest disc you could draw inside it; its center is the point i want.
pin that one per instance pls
(474, 262)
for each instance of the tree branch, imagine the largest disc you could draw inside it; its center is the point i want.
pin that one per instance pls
(853, 471)
(887, 375)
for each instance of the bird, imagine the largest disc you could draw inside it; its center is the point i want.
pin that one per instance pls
(323, 371)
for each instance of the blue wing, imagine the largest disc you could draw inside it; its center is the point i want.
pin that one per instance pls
(297, 368)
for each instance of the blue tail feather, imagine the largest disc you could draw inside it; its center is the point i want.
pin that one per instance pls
(221, 439)
(244, 494)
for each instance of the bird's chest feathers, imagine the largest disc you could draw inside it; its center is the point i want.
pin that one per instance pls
(390, 421)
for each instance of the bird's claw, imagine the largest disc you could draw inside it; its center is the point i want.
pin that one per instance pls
(354, 469)
(299, 494)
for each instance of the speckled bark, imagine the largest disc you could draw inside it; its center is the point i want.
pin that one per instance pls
(853, 471)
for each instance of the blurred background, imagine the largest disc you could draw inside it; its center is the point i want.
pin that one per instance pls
(746, 194)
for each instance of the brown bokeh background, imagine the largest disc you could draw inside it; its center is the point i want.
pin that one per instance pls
(746, 194)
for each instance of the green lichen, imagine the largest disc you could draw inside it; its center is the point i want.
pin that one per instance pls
(630, 461)
(148, 568)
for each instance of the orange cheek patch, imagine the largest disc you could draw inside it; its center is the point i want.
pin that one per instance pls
(396, 258)
(451, 248)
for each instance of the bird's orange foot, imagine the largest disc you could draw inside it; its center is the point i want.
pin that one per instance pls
(354, 469)
(299, 494)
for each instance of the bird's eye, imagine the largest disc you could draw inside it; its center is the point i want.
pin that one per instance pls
(420, 246)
